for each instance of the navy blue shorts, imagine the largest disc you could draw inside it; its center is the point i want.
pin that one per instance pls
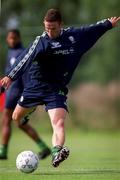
(51, 98)
(13, 94)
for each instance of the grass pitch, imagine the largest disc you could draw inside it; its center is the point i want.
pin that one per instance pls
(94, 156)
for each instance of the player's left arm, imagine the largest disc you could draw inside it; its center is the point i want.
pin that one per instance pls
(92, 33)
(100, 27)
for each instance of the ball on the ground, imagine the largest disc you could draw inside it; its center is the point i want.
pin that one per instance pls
(27, 161)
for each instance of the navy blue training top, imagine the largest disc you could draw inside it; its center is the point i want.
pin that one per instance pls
(55, 60)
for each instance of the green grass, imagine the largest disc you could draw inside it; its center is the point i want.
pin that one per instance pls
(94, 156)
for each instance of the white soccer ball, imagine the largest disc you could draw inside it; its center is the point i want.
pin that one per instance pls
(27, 161)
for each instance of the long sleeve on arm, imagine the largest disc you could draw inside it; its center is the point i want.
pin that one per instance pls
(90, 34)
(25, 59)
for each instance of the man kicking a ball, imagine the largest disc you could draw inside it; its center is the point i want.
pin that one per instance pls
(52, 58)
(12, 96)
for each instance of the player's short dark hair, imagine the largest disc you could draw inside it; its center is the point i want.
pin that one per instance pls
(53, 15)
(15, 31)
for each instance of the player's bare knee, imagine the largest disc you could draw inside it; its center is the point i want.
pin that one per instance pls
(15, 117)
(58, 123)
(61, 123)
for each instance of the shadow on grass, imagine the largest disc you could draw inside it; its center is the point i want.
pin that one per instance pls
(81, 172)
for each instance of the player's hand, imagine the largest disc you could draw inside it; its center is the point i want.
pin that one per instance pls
(6, 82)
(114, 21)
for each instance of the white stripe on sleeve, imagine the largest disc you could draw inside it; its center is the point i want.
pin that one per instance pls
(25, 58)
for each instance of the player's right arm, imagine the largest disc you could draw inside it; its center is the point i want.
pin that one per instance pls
(6, 82)
(23, 61)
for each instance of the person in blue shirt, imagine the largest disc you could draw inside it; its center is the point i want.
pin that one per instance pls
(53, 58)
(15, 48)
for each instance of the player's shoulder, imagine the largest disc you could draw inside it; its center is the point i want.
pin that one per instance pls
(44, 34)
(41, 41)
(70, 30)
(38, 41)
(42, 38)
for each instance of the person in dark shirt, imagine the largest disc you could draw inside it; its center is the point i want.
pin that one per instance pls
(53, 58)
(15, 48)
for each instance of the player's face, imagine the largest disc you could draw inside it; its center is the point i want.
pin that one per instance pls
(52, 28)
(12, 39)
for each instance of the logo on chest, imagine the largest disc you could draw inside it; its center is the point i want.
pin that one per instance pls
(55, 45)
(64, 51)
(72, 39)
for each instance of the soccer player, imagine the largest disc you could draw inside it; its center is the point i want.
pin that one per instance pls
(12, 96)
(52, 58)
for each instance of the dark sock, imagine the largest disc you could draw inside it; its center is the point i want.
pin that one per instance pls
(42, 145)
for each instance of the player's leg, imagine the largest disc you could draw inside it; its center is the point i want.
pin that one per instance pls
(57, 109)
(6, 132)
(59, 153)
(57, 117)
(19, 114)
